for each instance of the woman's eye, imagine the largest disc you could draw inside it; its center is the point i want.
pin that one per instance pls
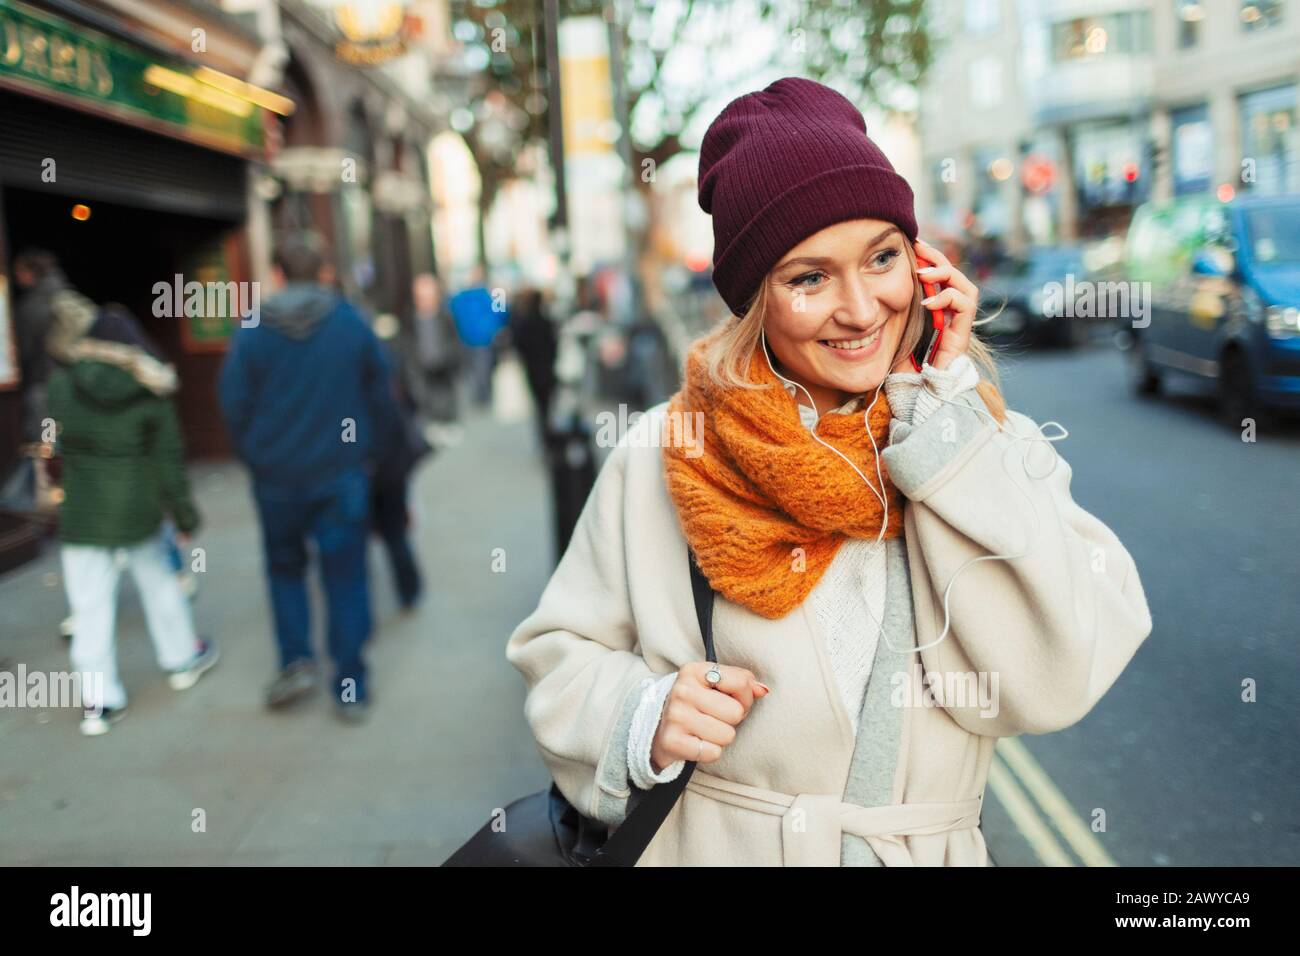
(801, 282)
(882, 259)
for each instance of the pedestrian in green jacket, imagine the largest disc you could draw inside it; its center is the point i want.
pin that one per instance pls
(123, 473)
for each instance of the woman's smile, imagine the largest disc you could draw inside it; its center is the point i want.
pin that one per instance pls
(854, 350)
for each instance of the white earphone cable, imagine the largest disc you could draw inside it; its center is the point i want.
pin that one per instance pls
(1040, 437)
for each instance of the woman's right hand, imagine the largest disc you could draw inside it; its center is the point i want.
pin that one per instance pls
(695, 712)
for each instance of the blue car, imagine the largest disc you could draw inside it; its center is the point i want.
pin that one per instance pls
(1224, 300)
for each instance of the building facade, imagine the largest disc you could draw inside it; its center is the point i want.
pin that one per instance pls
(1051, 120)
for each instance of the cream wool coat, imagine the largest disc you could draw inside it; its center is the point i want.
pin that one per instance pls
(1049, 632)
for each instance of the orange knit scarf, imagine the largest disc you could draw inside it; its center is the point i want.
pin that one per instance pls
(764, 506)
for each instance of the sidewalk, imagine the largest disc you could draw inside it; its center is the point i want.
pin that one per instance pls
(446, 742)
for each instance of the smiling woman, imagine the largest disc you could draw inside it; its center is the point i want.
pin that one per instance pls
(834, 499)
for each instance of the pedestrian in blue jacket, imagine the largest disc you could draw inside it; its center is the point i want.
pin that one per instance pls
(478, 316)
(306, 395)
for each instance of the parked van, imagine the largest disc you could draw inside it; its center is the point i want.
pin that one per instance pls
(1224, 299)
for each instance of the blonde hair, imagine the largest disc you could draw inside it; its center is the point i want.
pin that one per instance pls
(729, 354)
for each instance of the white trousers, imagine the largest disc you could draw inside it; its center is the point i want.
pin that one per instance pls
(90, 576)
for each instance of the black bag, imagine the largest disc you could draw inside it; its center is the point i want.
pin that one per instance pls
(544, 829)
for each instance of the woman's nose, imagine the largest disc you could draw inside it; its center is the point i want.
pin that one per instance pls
(858, 308)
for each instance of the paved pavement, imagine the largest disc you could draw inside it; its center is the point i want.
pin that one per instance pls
(445, 744)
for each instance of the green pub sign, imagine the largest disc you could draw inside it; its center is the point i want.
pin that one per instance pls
(41, 52)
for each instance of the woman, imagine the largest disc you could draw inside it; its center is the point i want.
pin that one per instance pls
(861, 693)
(123, 473)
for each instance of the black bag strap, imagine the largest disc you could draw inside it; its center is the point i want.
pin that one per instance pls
(626, 844)
(703, 594)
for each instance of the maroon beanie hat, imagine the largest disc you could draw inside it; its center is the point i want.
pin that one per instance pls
(777, 166)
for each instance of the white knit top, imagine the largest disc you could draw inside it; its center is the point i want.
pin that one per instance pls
(849, 599)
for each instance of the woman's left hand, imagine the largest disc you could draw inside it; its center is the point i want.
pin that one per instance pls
(958, 295)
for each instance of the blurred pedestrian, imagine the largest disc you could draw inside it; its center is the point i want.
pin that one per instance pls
(437, 355)
(390, 512)
(306, 397)
(478, 318)
(123, 473)
(49, 317)
(534, 337)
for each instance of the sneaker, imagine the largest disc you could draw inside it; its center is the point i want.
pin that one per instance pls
(185, 677)
(96, 724)
(352, 712)
(293, 684)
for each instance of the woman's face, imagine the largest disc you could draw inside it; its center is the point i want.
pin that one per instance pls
(837, 306)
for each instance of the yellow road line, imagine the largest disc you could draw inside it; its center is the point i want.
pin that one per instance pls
(1020, 808)
(1053, 803)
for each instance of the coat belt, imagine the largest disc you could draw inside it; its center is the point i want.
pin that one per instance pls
(811, 823)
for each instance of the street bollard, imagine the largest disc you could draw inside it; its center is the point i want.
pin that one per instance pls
(573, 473)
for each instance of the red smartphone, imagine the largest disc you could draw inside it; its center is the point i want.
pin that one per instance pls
(925, 352)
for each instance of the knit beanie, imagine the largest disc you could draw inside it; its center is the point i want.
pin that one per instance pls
(777, 166)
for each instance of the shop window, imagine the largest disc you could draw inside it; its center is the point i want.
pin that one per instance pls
(990, 204)
(1109, 167)
(1270, 147)
(1260, 14)
(1190, 14)
(1086, 38)
(1193, 149)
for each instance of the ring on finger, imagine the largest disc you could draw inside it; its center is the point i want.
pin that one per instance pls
(712, 676)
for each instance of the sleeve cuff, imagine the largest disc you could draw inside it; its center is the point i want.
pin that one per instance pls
(940, 385)
(918, 453)
(902, 388)
(645, 723)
